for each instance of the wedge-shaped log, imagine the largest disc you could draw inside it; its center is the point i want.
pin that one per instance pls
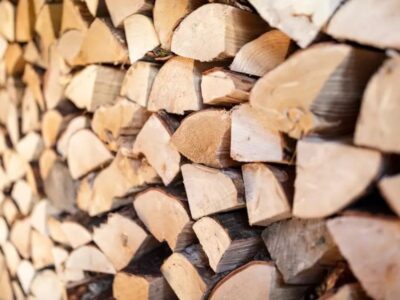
(30, 146)
(69, 45)
(229, 26)
(23, 196)
(194, 141)
(89, 258)
(361, 239)
(13, 59)
(390, 188)
(75, 15)
(269, 193)
(14, 165)
(166, 216)
(12, 257)
(54, 123)
(25, 274)
(56, 231)
(320, 161)
(29, 113)
(380, 110)
(227, 240)
(120, 10)
(24, 21)
(20, 236)
(96, 7)
(303, 250)
(325, 101)
(10, 210)
(210, 191)
(41, 246)
(7, 17)
(46, 285)
(33, 79)
(5, 282)
(76, 234)
(73, 126)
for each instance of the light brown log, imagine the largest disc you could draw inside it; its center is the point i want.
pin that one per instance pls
(325, 101)
(20, 236)
(227, 240)
(204, 137)
(159, 152)
(263, 54)
(24, 21)
(84, 192)
(23, 196)
(5, 283)
(166, 216)
(367, 14)
(30, 147)
(229, 27)
(4, 231)
(3, 141)
(47, 286)
(75, 15)
(34, 80)
(15, 89)
(222, 87)
(380, 110)
(5, 182)
(122, 239)
(76, 234)
(269, 193)
(26, 273)
(320, 161)
(301, 20)
(56, 231)
(370, 245)
(3, 73)
(53, 123)
(69, 45)
(74, 125)
(5, 103)
(39, 216)
(256, 280)
(13, 58)
(390, 188)
(17, 290)
(181, 94)
(12, 124)
(92, 153)
(89, 258)
(12, 257)
(33, 178)
(7, 17)
(302, 249)
(41, 246)
(9, 210)
(141, 36)
(210, 191)
(120, 10)
(123, 118)
(32, 55)
(96, 7)
(38, 4)
(95, 86)
(29, 113)
(46, 162)
(14, 165)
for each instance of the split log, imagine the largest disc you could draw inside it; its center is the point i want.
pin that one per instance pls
(47, 286)
(269, 193)
(255, 280)
(32, 55)
(76, 234)
(23, 197)
(301, 20)
(326, 100)
(120, 10)
(41, 246)
(9, 210)
(227, 240)
(5, 283)
(12, 258)
(33, 179)
(20, 236)
(380, 110)
(7, 17)
(303, 250)
(3, 231)
(320, 161)
(30, 147)
(75, 15)
(92, 155)
(30, 113)
(46, 162)
(222, 87)
(210, 191)
(3, 141)
(53, 123)
(193, 139)
(263, 54)
(14, 165)
(26, 273)
(73, 126)
(24, 21)
(12, 124)
(89, 258)
(166, 216)
(361, 240)
(181, 94)
(39, 216)
(140, 34)
(138, 82)
(56, 231)
(96, 7)
(95, 86)
(5, 103)
(160, 153)
(390, 188)
(122, 239)
(33, 80)
(367, 14)
(216, 20)
(69, 45)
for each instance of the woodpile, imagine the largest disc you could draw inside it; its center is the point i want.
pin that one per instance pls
(199, 149)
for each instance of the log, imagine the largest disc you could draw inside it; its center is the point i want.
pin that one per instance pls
(379, 110)
(96, 7)
(390, 188)
(138, 82)
(94, 86)
(23, 197)
(73, 126)
(227, 240)
(222, 87)
(269, 193)
(75, 15)
(32, 55)
(18, 293)
(4, 181)
(69, 45)
(14, 165)
(53, 123)
(46, 162)
(89, 258)
(33, 79)
(263, 54)
(9, 210)
(41, 246)
(30, 147)
(20, 236)
(3, 46)
(160, 153)
(30, 113)
(56, 231)
(12, 124)
(216, 20)
(24, 21)
(122, 239)
(181, 94)
(39, 215)
(342, 25)
(141, 36)
(328, 99)
(315, 160)
(255, 280)
(47, 286)
(120, 10)
(5, 283)
(211, 191)
(11, 257)
(26, 273)
(361, 240)
(347, 292)
(193, 140)
(33, 178)
(3, 231)
(7, 17)
(92, 155)
(76, 234)
(300, 20)
(166, 216)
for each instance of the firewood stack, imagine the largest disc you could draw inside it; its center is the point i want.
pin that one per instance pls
(194, 149)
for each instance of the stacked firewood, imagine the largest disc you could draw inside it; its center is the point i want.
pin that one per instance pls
(194, 149)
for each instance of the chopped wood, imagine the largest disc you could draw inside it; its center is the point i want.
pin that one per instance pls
(14, 165)
(166, 216)
(215, 20)
(3, 46)
(211, 191)
(39, 216)
(263, 54)
(9, 210)
(32, 55)
(47, 286)
(46, 162)
(320, 161)
(23, 196)
(12, 258)
(33, 178)
(5, 283)
(92, 155)
(227, 240)
(12, 124)
(30, 113)
(20, 236)
(269, 193)
(89, 258)
(3, 231)
(26, 273)
(30, 147)
(41, 246)
(56, 231)
(24, 21)
(7, 17)
(301, 20)
(69, 45)
(361, 240)
(222, 87)
(141, 36)
(4, 180)
(96, 7)
(53, 123)
(33, 80)
(390, 188)
(160, 153)
(120, 10)
(75, 15)
(17, 290)
(324, 102)
(380, 110)
(76, 234)
(73, 126)
(204, 138)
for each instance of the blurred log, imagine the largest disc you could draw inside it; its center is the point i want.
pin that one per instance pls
(46, 285)
(74, 125)
(75, 15)
(26, 272)
(120, 10)
(30, 147)
(390, 188)
(24, 21)
(89, 258)
(5, 283)
(20, 236)
(7, 23)
(23, 197)
(41, 246)
(76, 234)
(69, 45)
